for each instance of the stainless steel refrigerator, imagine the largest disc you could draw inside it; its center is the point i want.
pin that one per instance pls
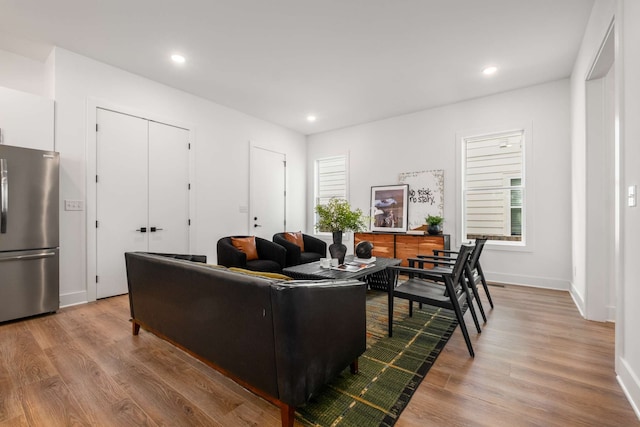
(29, 238)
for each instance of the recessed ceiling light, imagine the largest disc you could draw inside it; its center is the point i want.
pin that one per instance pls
(179, 59)
(489, 70)
(311, 118)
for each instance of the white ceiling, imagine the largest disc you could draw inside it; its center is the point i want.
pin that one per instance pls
(345, 61)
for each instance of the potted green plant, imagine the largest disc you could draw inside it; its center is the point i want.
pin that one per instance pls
(337, 217)
(434, 224)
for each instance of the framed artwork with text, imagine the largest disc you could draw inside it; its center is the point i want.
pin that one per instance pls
(426, 195)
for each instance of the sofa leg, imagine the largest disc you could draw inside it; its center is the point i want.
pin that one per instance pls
(354, 367)
(135, 327)
(287, 414)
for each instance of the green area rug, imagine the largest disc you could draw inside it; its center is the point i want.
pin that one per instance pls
(390, 369)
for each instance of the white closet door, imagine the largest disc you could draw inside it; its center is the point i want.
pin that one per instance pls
(121, 191)
(168, 188)
(267, 193)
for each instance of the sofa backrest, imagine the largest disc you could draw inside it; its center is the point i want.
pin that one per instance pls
(221, 316)
(194, 258)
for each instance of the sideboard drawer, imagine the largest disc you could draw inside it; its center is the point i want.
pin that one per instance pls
(403, 246)
(408, 246)
(383, 244)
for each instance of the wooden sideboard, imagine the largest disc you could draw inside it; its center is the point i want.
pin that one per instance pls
(401, 245)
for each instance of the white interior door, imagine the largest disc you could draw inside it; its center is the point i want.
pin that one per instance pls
(121, 190)
(168, 188)
(142, 193)
(267, 193)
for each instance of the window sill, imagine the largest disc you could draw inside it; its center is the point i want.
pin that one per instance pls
(496, 245)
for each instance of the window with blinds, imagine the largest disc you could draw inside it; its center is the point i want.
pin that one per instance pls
(494, 186)
(330, 180)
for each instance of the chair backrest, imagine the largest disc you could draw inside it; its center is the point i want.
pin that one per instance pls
(461, 262)
(477, 250)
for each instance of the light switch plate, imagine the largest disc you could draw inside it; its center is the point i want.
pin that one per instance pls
(632, 196)
(73, 205)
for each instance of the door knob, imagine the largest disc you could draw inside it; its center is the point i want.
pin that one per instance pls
(256, 225)
(154, 229)
(142, 229)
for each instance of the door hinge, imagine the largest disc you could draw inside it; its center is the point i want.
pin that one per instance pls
(96, 279)
(189, 186)
(96, 127)
(189, 222)
(285, 163)
(96, 224)
(189, 146)
(96, 178)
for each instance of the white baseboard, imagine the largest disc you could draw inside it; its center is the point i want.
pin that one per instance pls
(74, 298)
(578, 300)
(533, 281)
(630, 384)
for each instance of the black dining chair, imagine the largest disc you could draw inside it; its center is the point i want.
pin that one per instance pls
(423, 287)
(443, 261)
(475, 267)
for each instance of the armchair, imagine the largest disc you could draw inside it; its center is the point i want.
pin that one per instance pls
(314, 249)
(271, 256)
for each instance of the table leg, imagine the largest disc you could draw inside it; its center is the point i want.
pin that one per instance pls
(391, 276)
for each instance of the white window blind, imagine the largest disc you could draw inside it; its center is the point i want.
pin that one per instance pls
(330, 180)
(494, 186)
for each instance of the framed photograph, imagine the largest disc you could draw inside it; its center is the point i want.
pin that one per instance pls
(389, 208)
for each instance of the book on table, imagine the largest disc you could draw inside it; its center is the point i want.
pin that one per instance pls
(416, 232)
(352, 267)
(364, 260)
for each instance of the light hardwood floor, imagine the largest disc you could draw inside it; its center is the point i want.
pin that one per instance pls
(537, 363)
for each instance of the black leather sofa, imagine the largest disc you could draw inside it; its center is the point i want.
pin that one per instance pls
(314, 249)
(281, 340)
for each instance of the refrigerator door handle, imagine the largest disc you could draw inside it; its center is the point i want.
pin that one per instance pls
(4, 195)
(27, 257)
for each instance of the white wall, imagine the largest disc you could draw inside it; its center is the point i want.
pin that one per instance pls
(425, 140)
(626, 15)
(26, 120)
(594, 36)
(25, 74)
(221, 156)
(628, 315)
(221, 144)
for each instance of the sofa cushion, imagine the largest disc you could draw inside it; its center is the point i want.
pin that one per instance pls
(246, 245)
(266, 274)
(264, 265)
(296, 238)
(216, 266)
(306, 257)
